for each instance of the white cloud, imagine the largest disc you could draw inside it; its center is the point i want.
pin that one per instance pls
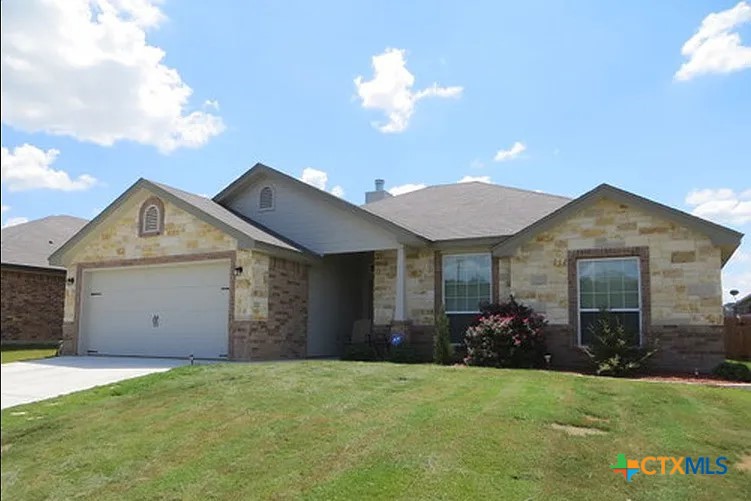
(516, 149)
(319, 178)
(473, 179)
(723, 205)
(5, 208)
(315, 177)
(390, 90)
(406, 188)
(211, 103)
(86, 70)
(28, 167)
(715, 47)
(13, 221)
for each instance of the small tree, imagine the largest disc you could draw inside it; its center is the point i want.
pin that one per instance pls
(443, 352)
(613, 352)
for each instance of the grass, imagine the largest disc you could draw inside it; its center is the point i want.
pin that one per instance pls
(348, 430)
(18, 352)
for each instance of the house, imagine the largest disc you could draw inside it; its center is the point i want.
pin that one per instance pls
(274, 268)
(741, 306)
(32, 290)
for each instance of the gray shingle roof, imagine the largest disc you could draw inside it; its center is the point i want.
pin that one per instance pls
(224, 215)
(28, 244)
(466, 210)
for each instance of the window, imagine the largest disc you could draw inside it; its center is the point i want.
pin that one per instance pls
(151, 217)
(611, 284)
(266, 198)
(466, 282)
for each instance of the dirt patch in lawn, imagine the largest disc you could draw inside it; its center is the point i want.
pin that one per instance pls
(595, 419)
(576, 431)
(745, 463)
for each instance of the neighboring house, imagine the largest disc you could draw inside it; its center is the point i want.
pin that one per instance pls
(740, 307)
(32, 290)
(274, 268)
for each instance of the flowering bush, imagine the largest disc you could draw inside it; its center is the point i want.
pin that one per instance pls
(506, 335)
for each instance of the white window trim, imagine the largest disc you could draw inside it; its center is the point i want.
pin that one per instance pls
(443, 280)
(158, 228)
(580, 310)
(273, 198)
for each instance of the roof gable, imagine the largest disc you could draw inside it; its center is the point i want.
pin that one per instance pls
(245, 232)
(239, 197)
(725, 238)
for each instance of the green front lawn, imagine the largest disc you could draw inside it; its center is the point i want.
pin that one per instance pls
(347, 430)
(16, 353)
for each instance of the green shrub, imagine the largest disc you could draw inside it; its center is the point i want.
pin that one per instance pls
(733, 371)
(612, 351)
(442, 349)
(506, 334)
(360, 352)
(405, 354)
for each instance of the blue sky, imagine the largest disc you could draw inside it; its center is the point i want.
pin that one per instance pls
(592, 92)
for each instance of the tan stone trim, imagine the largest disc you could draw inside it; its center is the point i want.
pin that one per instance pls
(573, 284)
(495, 278)
(149, 261)
(438, 276)
(157, 202)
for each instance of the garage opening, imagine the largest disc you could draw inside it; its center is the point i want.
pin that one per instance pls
(173, 310)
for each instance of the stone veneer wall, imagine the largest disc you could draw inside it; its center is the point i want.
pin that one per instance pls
(684, 270)
(419, 285)
(32, 305)
(118, 240)
(384, 286)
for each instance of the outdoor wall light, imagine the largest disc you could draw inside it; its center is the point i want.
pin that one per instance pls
(548, 357)
(238, 270)
(71, 280)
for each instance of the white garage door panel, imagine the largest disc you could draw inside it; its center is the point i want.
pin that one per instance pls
(171, 311)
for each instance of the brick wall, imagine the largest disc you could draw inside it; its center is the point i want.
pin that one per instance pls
(32, 306)
(283, 332)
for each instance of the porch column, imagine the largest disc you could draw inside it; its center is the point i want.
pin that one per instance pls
(401, 265)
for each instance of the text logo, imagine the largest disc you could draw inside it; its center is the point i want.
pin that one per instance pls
(669, 465)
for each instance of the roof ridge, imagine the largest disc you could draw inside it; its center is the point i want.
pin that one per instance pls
(495, 185)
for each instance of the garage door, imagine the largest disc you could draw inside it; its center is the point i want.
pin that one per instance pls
(157, 311)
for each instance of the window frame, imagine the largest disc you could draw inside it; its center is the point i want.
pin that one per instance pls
(580, 310)
(273, 198)
(443, 280)
(145, 206)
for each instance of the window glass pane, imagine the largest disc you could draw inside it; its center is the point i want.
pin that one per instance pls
(467, 281)
(631, 300)
(587, 300)
(586, 284)
(630, 322)
(601, 300)
(616, 300)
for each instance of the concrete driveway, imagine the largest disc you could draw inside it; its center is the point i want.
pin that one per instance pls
(33, 380)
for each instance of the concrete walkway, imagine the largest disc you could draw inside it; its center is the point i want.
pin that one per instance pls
(33, 380)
